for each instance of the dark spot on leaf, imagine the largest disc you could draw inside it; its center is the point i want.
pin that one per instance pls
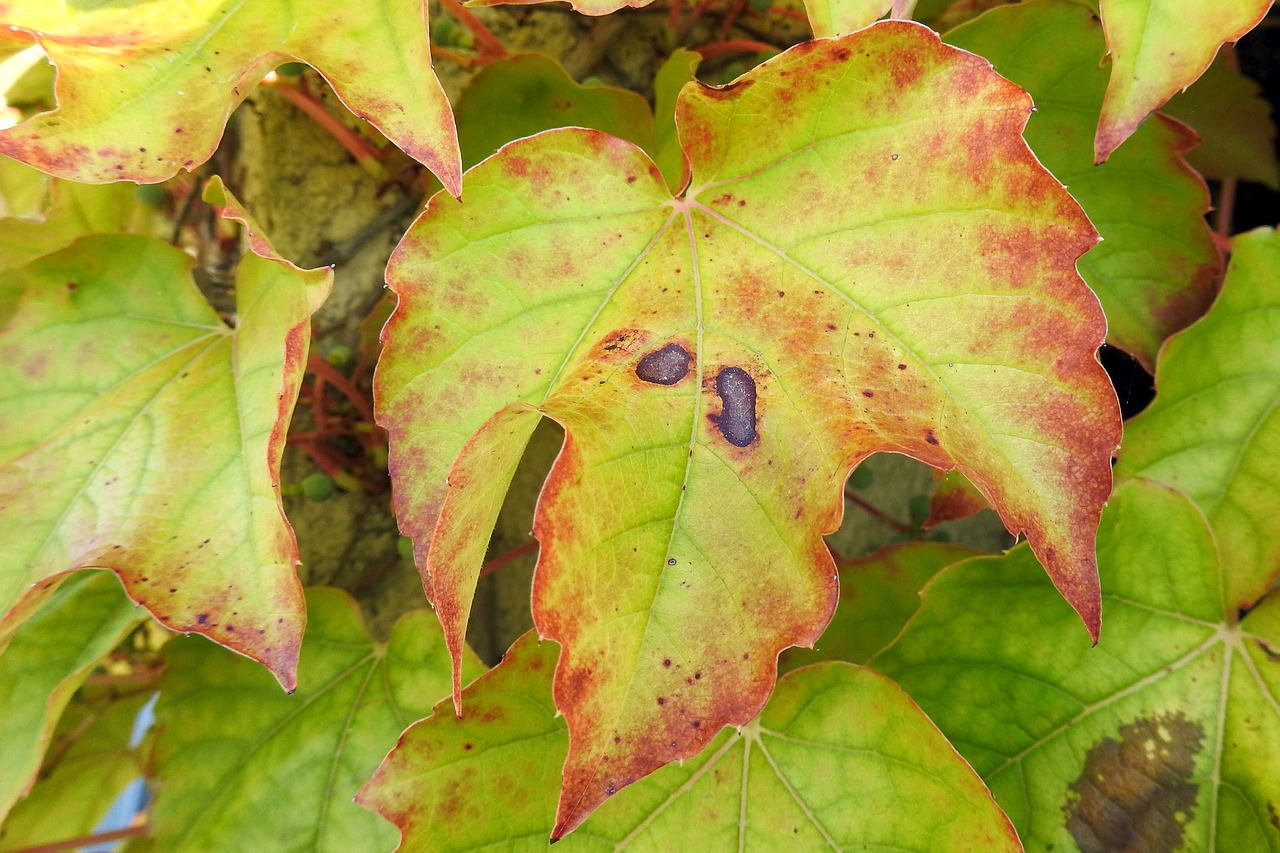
(665, 366)
(697, 675)
(868, 393)
(667, 662)
(696, 724)
(931, 438)
(202, 618)
(71, 285)
(610, 790)
(737, 392)
(468, 746)
(1136, 794)
(902, 367)
(662, 700)
(671, 562)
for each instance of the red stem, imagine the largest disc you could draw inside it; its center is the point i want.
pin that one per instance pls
(85, 841)
(466, 61)
(875, 512)
(506, 557)
(789, 13)
(718, 48)
(322, 369)
(486, 41)
(366, 154)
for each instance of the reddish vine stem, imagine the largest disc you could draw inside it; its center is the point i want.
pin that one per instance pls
(876, 512)
(322, 369)
(85, 841)
(463, 60)
(1226, 206)
(736, 8)
(487, 43)
(788, 13)
(507, 557)
(718, 48)
(367, 155)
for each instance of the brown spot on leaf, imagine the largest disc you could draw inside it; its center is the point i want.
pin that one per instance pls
(1135, 794)
(665, 366)
(737, 420)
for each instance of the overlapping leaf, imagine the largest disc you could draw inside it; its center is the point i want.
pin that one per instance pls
(66, 211)
(242, 766)
(722, 359)
(1213, 430)
(1157, 267)
(139, 433)
(954, 499)
(1164, 737)
(1158, 47)
(145, 89)
(91, 762)
(1233, 119)
(44, 663)
(523, 95)
(840, 759)
(878, 594)
(837, 17)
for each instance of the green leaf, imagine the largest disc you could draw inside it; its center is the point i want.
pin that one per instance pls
(720, 361)
(1234, 121)
(1164, 737)
(45, 662)
(837, 17)
(680, 68)
(1213, 430)
(1158, 47)
(67, 212)
(840, 758)
(158, 99)
(878, 594)
(24, 191)
(90, 765)
(143, 435)
(519, 96)
(242, 766)
(1157, 266)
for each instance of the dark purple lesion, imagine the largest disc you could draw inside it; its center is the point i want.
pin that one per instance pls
(737, 419)
(666, 365)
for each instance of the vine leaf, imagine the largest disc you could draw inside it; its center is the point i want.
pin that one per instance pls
(45, 662)
(1157, 48)
(837, 17)
(92, 761)
(721, 360)
(836, 750)
(878, 594)
(70, 211)
(1165, 737)
(141, 96)
(1234, 121)
(142, 435)
(522, 95)
(954, 499)
(1213, 430)
(1157, 267)
(230, 747)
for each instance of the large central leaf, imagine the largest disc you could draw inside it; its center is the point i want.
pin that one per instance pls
(867, 258)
